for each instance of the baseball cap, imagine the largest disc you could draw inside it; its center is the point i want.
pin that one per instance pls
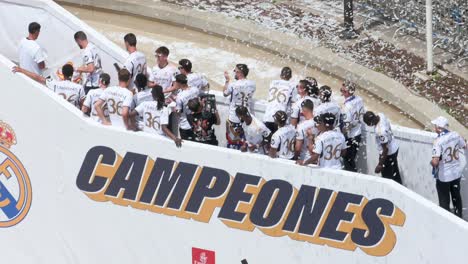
(280, 116)
(441, 122)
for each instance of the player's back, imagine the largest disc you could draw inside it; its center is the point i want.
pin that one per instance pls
(135, 64)
(450, 146)
(302, 134)
(68, 90)
(353, 110)
(329, 107)
(91, 98)
(153, 117)
(331, 143)
(279, 96)
(182, 105)
(384, 134)
(116, 98)
(284, 140)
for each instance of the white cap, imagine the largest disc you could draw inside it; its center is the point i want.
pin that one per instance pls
(441, 122)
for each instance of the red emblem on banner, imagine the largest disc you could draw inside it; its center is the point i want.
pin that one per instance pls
(202, 256)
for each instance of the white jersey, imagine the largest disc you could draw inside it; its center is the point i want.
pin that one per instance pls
(142, 96)
(91, 98)
(135, 64)
(163, 76)
(255, 132)
(279, 96)
(197, 80)
(91, 55)
(241, 92)
(182, 106)
(329, 107)
(448, 147)
(301, 134)
(329, 146)
(296, 111)
(68, 90)
(30, 54)
(353, 111)
(384, 135)
(153, 118)
(284, 141)
(116, 98)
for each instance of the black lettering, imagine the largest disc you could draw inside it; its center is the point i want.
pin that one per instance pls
(337, 214)
(161, 168)
(128, 176)
(203, 190)
(86, 180)
(236, 194)
(370, 216)
(257, 215)
(306, 212)
(176, 187)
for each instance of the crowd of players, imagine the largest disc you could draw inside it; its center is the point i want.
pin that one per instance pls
(301, 121)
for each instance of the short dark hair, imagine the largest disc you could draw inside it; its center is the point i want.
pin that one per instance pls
(280, 117)
(194, 105)
(105, 78)
(124, 75)
(328, 119)
(67, 71)
(80, 35)
(242, 111)
(308, 104)
(163, 51)
(34, 27)
(180, 78)
(286, 73)
(369, 117)
(314, 85)
(186, 65)
(141, 81)
(131, 39)
(325, 93)
(243, 68)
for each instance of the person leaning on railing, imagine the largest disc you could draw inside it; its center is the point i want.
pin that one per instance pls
(447, 165)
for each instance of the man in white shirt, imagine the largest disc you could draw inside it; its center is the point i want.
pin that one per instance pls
(93, 96)
(329, 146)
(447, 166)
(280, 95)
(327, 105)
(306, 131)
(163, 73)
(284, 139)
(256, 133)
(197, 80)
(68, 90)
(183, 97)
(92, 66)
(136, 60)
(387, 146)
(31, 56)
(304, 90)
(119, 101)
(241, 92)
(352, 111)
(156, 116)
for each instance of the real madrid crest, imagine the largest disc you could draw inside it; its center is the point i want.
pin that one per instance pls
(15, 186)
